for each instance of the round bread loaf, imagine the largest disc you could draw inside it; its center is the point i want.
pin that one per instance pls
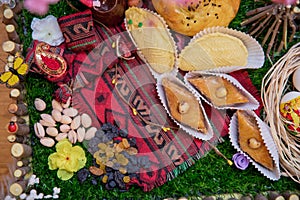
(188, 17)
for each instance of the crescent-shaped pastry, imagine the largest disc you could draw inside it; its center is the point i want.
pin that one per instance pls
(152, 38)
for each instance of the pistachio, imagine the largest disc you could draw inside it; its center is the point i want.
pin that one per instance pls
(80, 134)
(86, 120)
(52, 131)
(47, 141)
(65, 119)
(253, 143)
(56, 105)
(46, 123)
(71, 112)
(56, 115)
(48, 118)
(67, 104)
(39, 130)
(183, 107)
(61, 136)
(39, 104)
(221, 92)
(76, 123)
(72, 136)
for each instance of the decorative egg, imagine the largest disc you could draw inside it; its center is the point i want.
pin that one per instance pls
(290, 111)
(296, 79)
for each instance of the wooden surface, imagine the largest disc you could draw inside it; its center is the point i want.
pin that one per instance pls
(6, 160)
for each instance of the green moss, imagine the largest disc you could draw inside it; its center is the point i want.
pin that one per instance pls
(210, 175)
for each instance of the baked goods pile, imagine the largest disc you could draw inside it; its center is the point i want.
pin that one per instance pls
(209, 55)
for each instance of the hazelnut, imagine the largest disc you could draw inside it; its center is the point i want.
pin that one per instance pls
(221, 92)
(253, 143)
(183, 107)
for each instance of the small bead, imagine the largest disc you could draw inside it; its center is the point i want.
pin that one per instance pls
(140, 24)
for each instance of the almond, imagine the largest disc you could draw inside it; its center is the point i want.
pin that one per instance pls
(86, 120)
(76, 122)
(56, 115)
(45, 123)
(80, 134)
(66, 119)
(61, 136)
(47, 141)
(48, 118)
(64, 128)
(56, 105)
(39, 104)
(90, 133)
(71, 112)
(52, 131)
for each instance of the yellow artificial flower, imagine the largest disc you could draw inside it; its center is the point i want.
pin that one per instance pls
(67, 159)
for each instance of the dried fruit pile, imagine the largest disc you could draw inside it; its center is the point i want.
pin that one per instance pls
(116, 160)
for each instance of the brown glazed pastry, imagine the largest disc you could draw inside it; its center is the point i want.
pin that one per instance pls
(218, 90)
(250, 140)
(183, 105)
(190, 17)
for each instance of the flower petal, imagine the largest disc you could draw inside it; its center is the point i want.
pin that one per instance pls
(64, 175)
(64, 146)
(47, 30)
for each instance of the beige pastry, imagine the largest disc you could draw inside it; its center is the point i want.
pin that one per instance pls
(152, 38)
(212, 51)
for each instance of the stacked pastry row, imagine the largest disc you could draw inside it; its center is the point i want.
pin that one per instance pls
(208, 56)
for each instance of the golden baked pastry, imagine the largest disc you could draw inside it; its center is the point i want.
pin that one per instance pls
(212, 51)
(183, 106)
(250, 140)
(190, 17)
(152, 38)
(218, 90)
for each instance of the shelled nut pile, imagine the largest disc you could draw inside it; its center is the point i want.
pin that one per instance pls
(63, 122)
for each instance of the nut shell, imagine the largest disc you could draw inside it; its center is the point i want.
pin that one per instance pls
(56, 115)
(71, 112)
(48, 118)
(86, 120)
(64, 128)
(80, 134)
(72, 136)
(47, 141)
(39, 104)
(65, 119)
(76, 123)
(52, 131)
(90, 133)
(56, 105)
(61, 136)
(39, 130)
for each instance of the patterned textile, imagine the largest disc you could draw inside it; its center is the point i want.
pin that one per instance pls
(170, 152)
(78, 30)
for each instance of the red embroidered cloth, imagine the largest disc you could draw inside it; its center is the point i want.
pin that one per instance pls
(170, 152)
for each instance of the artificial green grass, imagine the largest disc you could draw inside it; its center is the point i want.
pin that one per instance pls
(210, 175)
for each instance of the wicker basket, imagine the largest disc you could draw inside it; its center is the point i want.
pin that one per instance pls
(275, 84)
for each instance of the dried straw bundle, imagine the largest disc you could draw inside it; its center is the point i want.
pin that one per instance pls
(274, 85)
